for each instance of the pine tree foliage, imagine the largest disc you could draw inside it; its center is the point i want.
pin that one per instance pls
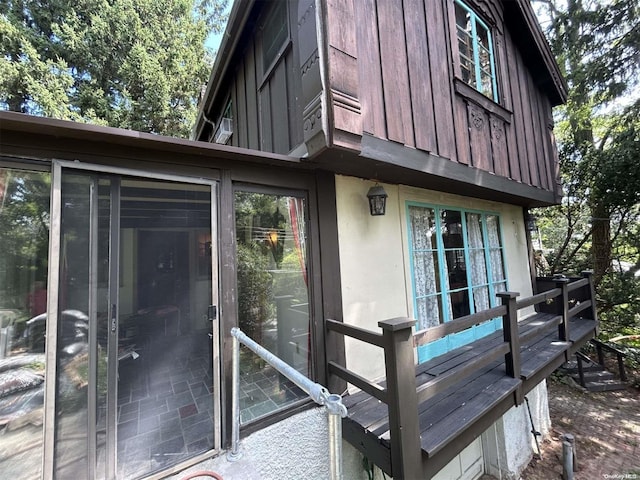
(597, 45)
(137, 64)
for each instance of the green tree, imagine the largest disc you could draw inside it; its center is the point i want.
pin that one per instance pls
(137, 64)
(597, 45)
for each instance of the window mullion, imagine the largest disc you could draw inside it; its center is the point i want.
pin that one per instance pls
(467, 261)
(492, 66)
(476, 50)
(444, 281)
(487, 260)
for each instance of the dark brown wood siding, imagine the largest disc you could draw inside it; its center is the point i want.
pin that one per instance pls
(266, 112)
(410, 91)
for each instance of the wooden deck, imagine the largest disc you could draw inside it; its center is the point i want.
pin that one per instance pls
(413, 424)
(462, 411)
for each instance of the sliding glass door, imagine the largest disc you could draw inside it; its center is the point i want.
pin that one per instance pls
(134, 300)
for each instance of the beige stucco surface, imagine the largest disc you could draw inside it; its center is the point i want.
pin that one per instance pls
(374, 262)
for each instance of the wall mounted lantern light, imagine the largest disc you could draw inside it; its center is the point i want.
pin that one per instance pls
(377, 200)
(530, 222)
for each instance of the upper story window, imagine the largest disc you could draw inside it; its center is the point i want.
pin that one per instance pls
(457, 267)
(275, 34)
(475, 47)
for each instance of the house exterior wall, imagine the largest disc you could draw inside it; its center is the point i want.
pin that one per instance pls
(390, 70)
(408, 88)
(263, 98)
(374, 258)
(505, 449)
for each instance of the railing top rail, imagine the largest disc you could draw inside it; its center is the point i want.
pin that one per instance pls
(539, 298)
(454, 326)
(358, 333)
(578, 284)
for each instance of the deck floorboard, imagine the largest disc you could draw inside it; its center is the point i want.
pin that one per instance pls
(445, 417)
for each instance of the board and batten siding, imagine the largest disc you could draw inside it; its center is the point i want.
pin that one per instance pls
(266, 113)
(408, 91)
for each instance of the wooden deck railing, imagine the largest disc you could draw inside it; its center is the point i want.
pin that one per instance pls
(400, 393)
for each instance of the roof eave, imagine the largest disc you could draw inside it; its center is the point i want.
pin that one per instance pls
(237, 20)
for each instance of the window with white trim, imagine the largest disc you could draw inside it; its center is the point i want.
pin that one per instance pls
(475, 49)
(457, 267)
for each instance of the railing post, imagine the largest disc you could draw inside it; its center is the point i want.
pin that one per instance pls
(510, 333)
(512, 337)
(563, 328)
(592, 294)
(580, 370)
(406, 451)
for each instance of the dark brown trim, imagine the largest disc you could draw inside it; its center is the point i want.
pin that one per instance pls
(228, 294)
(329, 281)
(74, 137)
(444, 175)
(472, 95)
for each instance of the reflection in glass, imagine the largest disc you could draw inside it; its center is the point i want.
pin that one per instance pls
(273, 298)
(72, 408)
(24, 240)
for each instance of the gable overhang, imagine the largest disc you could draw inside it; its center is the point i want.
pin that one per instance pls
(242, 14)
(521, 21)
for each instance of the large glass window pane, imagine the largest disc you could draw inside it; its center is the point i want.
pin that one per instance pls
(429, 311)
(459, 303)
(24, 240)
(273, 297)
(426, 273)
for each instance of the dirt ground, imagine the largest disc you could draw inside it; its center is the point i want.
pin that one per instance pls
(606, 427)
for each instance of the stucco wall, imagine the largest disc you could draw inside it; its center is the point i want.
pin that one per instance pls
(511, 435)
(298, 448)
(376, 282)
(295, 448)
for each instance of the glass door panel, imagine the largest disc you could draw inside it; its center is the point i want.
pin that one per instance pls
(165, 400)
(136, 380)
(24, 239)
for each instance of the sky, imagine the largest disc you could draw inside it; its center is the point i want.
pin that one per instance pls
(213, 40)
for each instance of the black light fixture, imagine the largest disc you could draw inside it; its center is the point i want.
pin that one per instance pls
(530, 222)
(377, 200)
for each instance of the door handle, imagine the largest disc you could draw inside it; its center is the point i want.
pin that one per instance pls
(114, 318)
(212, 313)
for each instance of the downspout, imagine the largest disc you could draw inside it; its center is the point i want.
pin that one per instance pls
(323, 60)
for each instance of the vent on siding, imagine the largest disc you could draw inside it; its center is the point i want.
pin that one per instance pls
(224, 131)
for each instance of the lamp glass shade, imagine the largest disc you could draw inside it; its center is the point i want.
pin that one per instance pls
(377, 200)
(530, 223)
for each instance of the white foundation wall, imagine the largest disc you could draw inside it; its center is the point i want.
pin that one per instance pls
(295, 448)
(509, 444)
(374, 260)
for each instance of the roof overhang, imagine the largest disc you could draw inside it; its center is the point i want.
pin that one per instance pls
(240, 15)
(525, 30)
(52, 135)
(391, 162)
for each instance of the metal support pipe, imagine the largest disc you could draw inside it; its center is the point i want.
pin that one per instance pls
(316, 391)
(574, 453)
(235, 454)
(319, 394)
(336, 411)
(567, 460)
